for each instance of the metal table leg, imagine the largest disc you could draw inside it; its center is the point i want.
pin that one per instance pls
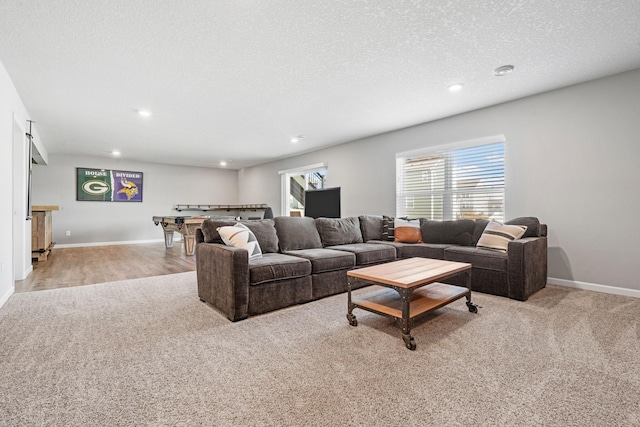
(473, 308)
(405, 295)
(350, 306)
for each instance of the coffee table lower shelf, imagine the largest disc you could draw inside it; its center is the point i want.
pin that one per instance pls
(390, 302)
(431, 297)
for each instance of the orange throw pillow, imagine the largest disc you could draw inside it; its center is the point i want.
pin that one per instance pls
(407, 235)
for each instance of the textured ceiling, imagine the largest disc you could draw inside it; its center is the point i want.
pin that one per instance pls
(236, 79)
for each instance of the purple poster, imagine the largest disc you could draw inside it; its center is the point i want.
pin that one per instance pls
(127, 186)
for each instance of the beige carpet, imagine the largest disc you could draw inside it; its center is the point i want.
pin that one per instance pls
(147, 352)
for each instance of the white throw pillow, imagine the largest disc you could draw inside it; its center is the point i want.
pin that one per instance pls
(496, 236)
(239, 236)
(406, 222)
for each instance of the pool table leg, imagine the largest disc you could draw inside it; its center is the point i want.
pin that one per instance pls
(189, 243)
(168, 238)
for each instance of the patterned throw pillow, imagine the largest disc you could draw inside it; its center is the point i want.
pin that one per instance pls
(497, 236)
(239, 236)
(387, 228)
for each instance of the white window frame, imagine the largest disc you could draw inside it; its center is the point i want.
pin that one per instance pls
(446, 149)
(286, 179)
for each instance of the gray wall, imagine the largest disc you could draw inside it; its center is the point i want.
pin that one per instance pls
(95, 222)
(571, 160)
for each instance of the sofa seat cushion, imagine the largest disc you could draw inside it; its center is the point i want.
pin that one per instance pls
(480, 258)
(422, 250)
(275, 266)
(368, 253)
(323, 260)
(411, 250)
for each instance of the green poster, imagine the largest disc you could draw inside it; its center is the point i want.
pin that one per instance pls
(94, 184)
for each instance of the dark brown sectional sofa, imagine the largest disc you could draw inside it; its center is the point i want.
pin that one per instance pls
(305, 259)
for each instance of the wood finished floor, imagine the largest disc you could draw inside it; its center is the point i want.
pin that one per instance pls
(67, 267)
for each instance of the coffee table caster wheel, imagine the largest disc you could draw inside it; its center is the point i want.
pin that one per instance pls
(352, 320)
(409, 342)
(472, 307)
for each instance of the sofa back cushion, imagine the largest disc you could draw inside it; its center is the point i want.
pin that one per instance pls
(265, 232)
(371, 227)
(296, 233)
(210, 227)
(339, 231)
(263, 229)
(481, 224)
(459, 231)
(532, 223)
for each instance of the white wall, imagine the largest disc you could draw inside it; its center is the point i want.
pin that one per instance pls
(571, 160)
(105, 222)
(21, 224)
(13, 211)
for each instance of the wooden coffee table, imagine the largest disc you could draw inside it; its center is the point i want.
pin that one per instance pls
(414, 290)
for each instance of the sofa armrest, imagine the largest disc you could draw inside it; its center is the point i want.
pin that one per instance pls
(527, 264)
(223, 278)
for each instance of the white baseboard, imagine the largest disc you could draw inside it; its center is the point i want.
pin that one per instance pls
(595, 287)
(124, 242)
(4, 298)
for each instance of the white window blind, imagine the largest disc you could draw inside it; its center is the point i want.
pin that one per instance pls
(458, 183)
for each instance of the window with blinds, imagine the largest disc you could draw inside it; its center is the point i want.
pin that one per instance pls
(456, 183)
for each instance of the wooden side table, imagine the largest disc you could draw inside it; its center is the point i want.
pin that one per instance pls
(41, 240)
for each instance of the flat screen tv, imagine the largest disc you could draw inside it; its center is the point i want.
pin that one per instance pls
(322, 203)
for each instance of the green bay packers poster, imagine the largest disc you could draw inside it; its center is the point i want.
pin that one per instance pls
(108, 185)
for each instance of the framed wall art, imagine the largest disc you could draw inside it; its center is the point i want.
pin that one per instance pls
(104, 185)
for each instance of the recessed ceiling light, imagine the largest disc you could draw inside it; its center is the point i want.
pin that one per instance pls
(454, 87)
(296, 139)
(223, 163)
(504, 70)
(115, 152)
(144, 113)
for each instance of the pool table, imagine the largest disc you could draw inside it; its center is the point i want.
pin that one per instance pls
(185, 225)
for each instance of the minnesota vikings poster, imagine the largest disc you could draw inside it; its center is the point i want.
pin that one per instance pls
(108, 185)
